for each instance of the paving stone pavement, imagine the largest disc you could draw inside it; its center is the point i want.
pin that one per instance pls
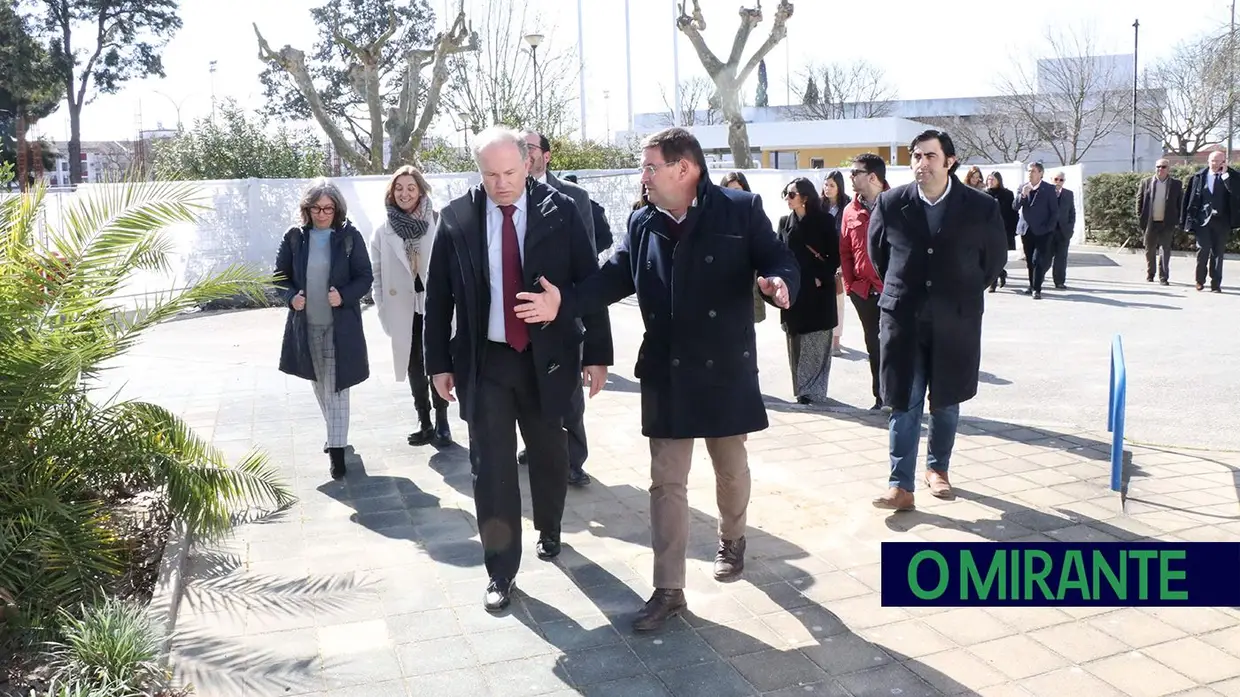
(372, 586)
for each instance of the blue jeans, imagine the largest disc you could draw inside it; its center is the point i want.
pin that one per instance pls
(904, 430)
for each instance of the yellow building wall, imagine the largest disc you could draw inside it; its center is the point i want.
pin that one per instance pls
(836, 158)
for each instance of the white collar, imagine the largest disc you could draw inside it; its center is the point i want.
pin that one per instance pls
(543, 178)
(942, 198)
(519, 203)
(681, 219)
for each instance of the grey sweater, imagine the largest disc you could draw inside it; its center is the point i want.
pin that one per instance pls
(318, 272)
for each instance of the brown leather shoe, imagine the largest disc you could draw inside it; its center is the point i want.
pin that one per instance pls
(938, 485)
(896, 499)
(730, 559)
(665, 604)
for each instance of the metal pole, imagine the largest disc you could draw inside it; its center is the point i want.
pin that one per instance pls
(1231, 82)
(628, 63)
(537, 96)
(581, 69)
(1136, 30)
(676, 116)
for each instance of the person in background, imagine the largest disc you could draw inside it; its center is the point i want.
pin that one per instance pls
(937, 245)
(1005, 198)
(810, 232)
(1039, 218)
(973, 178)
(1159, 199)
(400, 254)
(324, 271)
(736, 180)
(1211, 211)
(833, 202)
(861, 281)
(1063, 232)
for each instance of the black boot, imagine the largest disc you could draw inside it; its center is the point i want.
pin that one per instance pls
(425, 432)
(443, 434)
(336, 455)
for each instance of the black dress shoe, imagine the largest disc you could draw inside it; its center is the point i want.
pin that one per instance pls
(665, 604)
(548, 546)
(426, 432)
(443, 434)
(499, 594)
(578, 477)
(523, 458)
(336, 455)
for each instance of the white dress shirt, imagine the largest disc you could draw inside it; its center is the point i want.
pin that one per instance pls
(1213, 178)
(495, 261)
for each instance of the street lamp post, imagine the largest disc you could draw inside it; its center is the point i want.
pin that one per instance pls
(176, 105)
(534, 40)
(1231, 81)
(211, 68)
(1136, 29)
(607, 113)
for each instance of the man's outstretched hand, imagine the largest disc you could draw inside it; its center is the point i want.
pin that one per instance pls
(775, 289)
(539, 307)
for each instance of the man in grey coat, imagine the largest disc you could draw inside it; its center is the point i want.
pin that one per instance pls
(574, 423)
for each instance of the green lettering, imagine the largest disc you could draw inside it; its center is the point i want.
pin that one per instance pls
(1166, 575)
(1037, 576)
(1143, 556)
(1073, 576)
(1015, 567)
(944, 574)
(1102, 567)
(971, 578)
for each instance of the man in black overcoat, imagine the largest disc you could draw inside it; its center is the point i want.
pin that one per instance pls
(690, 255)
(498, 240)
(937, 245)
(1211, 211)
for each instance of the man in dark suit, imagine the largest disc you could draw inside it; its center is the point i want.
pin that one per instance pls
(574, 423)
(1159, 200)
(1064, 227)
(1211, 211)
(497, 240)
(698, 370)
(1039, 218)
(937, 245)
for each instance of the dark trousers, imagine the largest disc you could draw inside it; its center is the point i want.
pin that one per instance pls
(1037, 257)
(1211, 243)
(1158, 236)
(419, 383)
(507, 395)
(575, 427)
(1059, 256)
(867, 312)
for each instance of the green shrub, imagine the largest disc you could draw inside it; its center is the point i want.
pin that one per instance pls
(72, 457)
(113, 647)
(1111, 209)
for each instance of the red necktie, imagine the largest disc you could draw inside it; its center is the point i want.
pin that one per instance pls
(515, 330)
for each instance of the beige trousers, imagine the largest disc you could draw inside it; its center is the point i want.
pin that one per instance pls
(669, 502)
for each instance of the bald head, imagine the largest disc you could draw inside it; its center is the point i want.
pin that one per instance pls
(1218, 161)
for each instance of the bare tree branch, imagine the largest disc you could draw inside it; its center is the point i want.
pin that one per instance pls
(995, 135)
(695, 93)
(1072, 98)
(1186, 101)
(856, 90)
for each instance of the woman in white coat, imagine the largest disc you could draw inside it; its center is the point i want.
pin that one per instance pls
(400, 256)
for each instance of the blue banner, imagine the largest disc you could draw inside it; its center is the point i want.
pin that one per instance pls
(1103, 574)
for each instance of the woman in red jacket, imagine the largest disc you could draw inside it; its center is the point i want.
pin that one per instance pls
(861, 281)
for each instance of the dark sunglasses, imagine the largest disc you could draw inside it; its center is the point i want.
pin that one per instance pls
(858, 172)
(791, 194)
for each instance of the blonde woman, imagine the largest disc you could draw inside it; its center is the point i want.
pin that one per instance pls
(324, 272)
(400, 253)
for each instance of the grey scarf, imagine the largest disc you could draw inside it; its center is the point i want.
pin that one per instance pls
(410, 227)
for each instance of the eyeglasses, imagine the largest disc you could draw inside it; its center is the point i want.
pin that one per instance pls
(322, 209)
(858, 173)
(790, 194)
(1059, 181)
(652, 169)
(1160, 166)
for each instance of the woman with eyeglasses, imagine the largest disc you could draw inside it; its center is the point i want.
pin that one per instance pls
(810, 232)
(1004, 197)
(737, 180)
(834, 201)
(400, 253)
(324, 270)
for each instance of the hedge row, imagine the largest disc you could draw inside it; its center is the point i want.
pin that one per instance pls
(1111, 210)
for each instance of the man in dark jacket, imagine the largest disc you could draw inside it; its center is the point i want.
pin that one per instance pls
(1039, 218)
(1159, 200)
(937, 245)
(498, 239)
(697, 367)
(1211, 212)
(1064, 227)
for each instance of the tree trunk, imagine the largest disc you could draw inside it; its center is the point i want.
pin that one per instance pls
(738, 134)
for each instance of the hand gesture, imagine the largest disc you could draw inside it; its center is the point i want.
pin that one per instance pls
(444, 384)
(539, 307)
(333, 297)
(594, 377)
(1024, 190)
(775, 289)
(299, 301)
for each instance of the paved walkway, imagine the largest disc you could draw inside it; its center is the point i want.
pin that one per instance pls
(372, 586)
